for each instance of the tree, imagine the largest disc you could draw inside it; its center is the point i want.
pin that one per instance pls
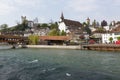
(44, 25)
(118, 38)
(110, 39)
(100, 29)
(38, 26)
(94, 23)
(84, 24)
(97, 24)
(88, 30)
(104, 23)
(54, 32)
(63, 33)
(4, 27)
(54, 25)
(33, 39)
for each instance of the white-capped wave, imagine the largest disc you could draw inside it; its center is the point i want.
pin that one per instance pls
(34, 61)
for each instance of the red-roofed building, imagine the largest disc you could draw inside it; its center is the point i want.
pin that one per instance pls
(54, 40)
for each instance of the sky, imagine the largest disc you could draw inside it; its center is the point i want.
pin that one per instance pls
(50, 10)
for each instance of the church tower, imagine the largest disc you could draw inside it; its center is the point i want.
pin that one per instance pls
(88, 21)
(62, 17)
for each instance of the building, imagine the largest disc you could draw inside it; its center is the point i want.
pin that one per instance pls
(30, 24)
(71, 27)
(114, 33)
(54, 40)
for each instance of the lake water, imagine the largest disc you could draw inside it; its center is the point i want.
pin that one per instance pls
(53, 64)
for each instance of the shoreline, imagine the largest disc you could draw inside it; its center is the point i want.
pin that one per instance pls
(78, 47)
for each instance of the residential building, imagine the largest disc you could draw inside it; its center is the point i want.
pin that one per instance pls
(114, 33)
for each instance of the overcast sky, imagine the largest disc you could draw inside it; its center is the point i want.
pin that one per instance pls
(47, 10)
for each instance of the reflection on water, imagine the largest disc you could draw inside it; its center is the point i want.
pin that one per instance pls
(50, 64)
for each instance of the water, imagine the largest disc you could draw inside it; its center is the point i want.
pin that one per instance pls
(52, 64)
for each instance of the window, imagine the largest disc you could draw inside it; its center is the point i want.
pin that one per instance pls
(117, 33)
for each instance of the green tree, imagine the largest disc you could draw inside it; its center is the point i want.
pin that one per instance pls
(38, 26)
(54, 25)
(54, 32)
(33, 39)
(44, 25)
(118, 38)
(110, 39)
(63, 33)
(4, 27)
(84, 24)
(101, 29)
(94, 23)
(97, 24)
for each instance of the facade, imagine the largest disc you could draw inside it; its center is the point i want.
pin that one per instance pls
(30, 24)
(114, 33)
(107, 36)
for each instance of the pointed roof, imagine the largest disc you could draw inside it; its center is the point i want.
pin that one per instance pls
(62, 16)
(55, 37)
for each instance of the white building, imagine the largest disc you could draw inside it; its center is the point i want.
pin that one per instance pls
(114, 34)
(107, 28)
(107, 36)
(69, 25)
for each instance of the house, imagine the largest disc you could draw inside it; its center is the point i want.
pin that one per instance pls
(30, 24)
(71, 27)
(114, 33)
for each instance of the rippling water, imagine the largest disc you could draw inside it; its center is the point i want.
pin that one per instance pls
(52, 64)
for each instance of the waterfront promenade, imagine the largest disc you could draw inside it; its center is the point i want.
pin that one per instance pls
(54, 46)
(97, 47)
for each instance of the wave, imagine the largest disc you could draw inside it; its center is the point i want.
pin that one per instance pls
(34, 61)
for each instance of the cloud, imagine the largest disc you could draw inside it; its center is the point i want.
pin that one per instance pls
(82, 5)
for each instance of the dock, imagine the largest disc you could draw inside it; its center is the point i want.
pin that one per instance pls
(102, 47)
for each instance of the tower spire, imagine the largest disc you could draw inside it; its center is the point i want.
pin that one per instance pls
(62, 16)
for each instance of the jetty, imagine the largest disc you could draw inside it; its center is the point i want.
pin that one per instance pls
(102, 47)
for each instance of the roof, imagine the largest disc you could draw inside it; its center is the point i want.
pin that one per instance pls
(54, 37)
(72, 23)
(117, 29)
(118, 22)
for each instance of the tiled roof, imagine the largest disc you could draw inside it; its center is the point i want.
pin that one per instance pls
(54, 37)
(72, 23)
(117, 29)
(118, 22)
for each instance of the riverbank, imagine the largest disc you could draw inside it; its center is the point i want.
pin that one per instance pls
(78, 47)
